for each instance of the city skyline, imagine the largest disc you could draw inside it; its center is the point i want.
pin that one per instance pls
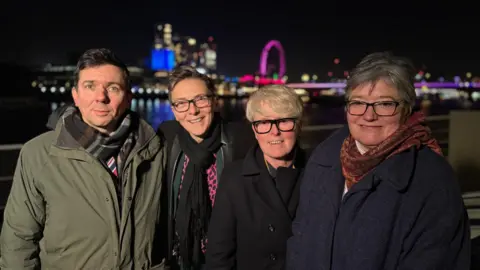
(439, 41)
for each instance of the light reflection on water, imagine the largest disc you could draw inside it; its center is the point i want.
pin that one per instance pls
(157, 110)
(153, 111)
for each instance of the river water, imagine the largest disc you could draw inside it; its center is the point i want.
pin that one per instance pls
(25, 121)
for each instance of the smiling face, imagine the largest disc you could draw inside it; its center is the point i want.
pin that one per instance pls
(276, 145)
(371, 129)
(195, 121)
(101, 96)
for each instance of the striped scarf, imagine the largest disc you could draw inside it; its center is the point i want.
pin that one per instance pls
(112, 149)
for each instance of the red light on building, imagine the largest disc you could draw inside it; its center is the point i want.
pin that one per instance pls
(210, 39)
(336, 61)
(330, 74)
(345, 73)
(246, 78)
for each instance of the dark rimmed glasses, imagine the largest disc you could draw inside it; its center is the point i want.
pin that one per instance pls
(381, 108)
(283, 124)
(199, 102)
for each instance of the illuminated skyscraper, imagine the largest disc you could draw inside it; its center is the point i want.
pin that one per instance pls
(207, 57)
(163, 55)
(186, 51)
(211, 56)
(171, 49)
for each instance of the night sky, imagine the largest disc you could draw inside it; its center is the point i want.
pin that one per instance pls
(441, 37)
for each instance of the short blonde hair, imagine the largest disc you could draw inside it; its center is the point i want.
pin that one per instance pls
(280, 98)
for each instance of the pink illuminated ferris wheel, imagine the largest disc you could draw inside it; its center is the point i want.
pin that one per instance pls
(264, 57)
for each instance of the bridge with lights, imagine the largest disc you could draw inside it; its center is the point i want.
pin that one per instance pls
(420, 85)
(280, 78)
(239, 86)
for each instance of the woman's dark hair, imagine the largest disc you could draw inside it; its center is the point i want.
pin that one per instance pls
(397, 71)
(183, 72)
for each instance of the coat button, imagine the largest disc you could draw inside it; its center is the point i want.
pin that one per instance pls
(273, 257)
(271, 228)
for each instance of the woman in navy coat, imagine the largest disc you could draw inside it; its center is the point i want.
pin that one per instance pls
(379, 195)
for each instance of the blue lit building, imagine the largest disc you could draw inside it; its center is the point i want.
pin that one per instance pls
(162, 59)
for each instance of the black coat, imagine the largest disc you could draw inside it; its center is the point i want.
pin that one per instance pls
(236, 138)
(252, 215)
(407, 213)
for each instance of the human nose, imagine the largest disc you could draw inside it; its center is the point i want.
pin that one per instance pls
(101, 94)
(192, 109)
(275, 130)
(370, 114)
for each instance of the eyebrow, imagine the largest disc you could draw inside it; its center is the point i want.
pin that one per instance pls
(185, 99)
(114, 83)
(380, 97)
(108, 83)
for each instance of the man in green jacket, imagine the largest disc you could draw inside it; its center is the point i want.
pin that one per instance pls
(86, 195)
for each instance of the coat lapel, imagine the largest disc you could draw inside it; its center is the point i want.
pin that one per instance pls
(227, 144)
(264, 185)
(267, 192)
(331, 181)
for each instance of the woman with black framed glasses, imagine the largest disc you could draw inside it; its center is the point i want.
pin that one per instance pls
(199, 144)
(258, 196)
(379, 194)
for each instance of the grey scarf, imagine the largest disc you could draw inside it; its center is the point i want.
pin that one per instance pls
(102, 146)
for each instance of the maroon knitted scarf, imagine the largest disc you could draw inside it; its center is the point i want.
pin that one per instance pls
(413, 132)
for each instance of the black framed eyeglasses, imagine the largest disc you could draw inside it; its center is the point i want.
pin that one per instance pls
(199, 102)
(283, 124)
(381, 108)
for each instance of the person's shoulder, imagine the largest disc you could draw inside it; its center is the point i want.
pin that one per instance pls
(433, 169)
(168, 129)
(331, 145)
(432, 179)
(35, 152)
(435, 181)
(40, 143)
(337, 136)
(232, 172)
(56, 115)
(167, 125)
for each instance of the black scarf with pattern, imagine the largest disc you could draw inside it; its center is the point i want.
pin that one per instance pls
(194, 206)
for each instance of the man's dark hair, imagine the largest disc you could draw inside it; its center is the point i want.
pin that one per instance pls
(100, 57)
(183, 72)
